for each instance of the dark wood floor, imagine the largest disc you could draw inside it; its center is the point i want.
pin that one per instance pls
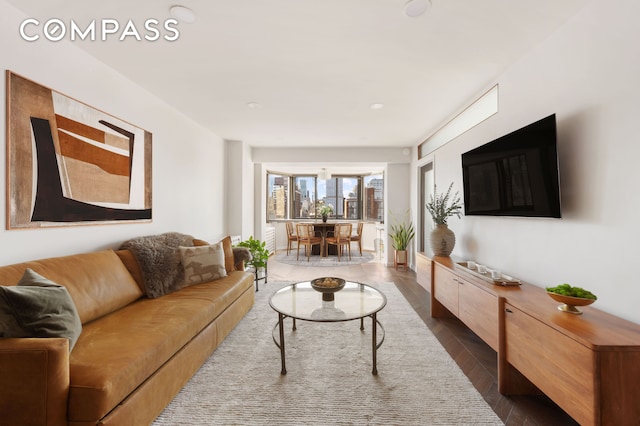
(476, 359)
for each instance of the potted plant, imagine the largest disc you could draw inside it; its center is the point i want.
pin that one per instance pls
(325, 210)
(442, 207)
(259, 257)
(401, 235)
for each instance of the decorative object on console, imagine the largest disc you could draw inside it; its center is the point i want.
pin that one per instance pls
(570, 297)
(482, 272)
(69, 163)
(401, 235)
(442, 207)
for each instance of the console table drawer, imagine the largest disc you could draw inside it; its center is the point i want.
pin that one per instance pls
(559, 366)
(445, 288)
(479, 310)
(423, 271)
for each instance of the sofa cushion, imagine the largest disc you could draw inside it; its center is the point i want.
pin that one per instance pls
(203, 263)
(98, 282)
(227, 245)
(107, 364)
(229, 262)
(38, 307)
(131, 263)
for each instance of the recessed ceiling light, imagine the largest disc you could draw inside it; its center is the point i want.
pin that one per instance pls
(376, 106)
(254, 105)
(183, 14)
(415, 8)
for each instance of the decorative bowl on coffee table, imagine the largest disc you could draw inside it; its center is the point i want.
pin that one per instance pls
(569, 303)
(327, 286)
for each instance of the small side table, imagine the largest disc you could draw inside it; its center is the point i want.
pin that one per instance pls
(257, 280)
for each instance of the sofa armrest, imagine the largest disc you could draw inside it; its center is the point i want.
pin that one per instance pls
(34, 381)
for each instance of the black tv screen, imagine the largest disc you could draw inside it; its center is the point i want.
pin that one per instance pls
(514, 175)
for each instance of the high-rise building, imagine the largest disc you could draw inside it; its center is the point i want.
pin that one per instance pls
(335, 196)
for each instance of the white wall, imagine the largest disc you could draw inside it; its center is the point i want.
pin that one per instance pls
(587, 73)
(331, 156)
(247, 190)
(397, 202)
(188, 168)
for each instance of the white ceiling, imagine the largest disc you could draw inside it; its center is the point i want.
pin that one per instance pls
(316, 66)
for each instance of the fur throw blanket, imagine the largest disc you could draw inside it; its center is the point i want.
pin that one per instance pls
(241, 254)
(159, 260)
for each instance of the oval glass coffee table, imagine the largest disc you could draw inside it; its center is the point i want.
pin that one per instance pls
(301, 302)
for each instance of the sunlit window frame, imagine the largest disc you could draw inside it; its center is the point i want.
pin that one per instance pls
(291, 193)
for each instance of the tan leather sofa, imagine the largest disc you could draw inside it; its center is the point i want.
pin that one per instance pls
(134, 353)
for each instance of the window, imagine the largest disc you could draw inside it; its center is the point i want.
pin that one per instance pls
(298, 197)
(304, 197)
(351, 192)
(373, 198)
(342, 194)
(277, 196)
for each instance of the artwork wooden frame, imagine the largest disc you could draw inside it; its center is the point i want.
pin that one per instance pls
(71, 164)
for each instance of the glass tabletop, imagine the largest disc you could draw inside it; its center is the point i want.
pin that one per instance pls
(302, 302)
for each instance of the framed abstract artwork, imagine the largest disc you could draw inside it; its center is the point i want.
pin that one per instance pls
(71, 164)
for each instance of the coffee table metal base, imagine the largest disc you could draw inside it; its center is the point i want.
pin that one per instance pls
(374, 341)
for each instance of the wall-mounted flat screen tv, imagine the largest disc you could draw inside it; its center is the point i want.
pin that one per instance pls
(514, 175)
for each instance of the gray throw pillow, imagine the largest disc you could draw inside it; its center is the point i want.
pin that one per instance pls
(38, 307)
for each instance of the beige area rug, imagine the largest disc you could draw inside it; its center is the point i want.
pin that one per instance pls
(329, 380)
(330, 261)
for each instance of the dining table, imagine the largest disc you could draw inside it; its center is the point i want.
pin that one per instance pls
(322, 229)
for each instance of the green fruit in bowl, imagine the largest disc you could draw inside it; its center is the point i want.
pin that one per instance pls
(567, 290)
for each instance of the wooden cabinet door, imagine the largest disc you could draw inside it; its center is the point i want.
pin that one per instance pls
(559, 366)
(445, 288)
(478, 309)
(423, 272)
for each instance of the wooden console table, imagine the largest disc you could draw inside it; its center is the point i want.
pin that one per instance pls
(587, 364)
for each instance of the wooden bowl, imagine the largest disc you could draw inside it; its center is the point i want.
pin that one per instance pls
(327, 286)
(569, 303)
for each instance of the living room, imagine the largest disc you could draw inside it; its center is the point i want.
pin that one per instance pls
(590, 93)
(585, 72)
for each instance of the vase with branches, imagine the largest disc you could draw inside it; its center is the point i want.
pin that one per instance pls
(441, 207)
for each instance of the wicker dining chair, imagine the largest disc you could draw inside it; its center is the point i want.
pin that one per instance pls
(292, 236)
(341, 238)
(357, 237)
(307, 238)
